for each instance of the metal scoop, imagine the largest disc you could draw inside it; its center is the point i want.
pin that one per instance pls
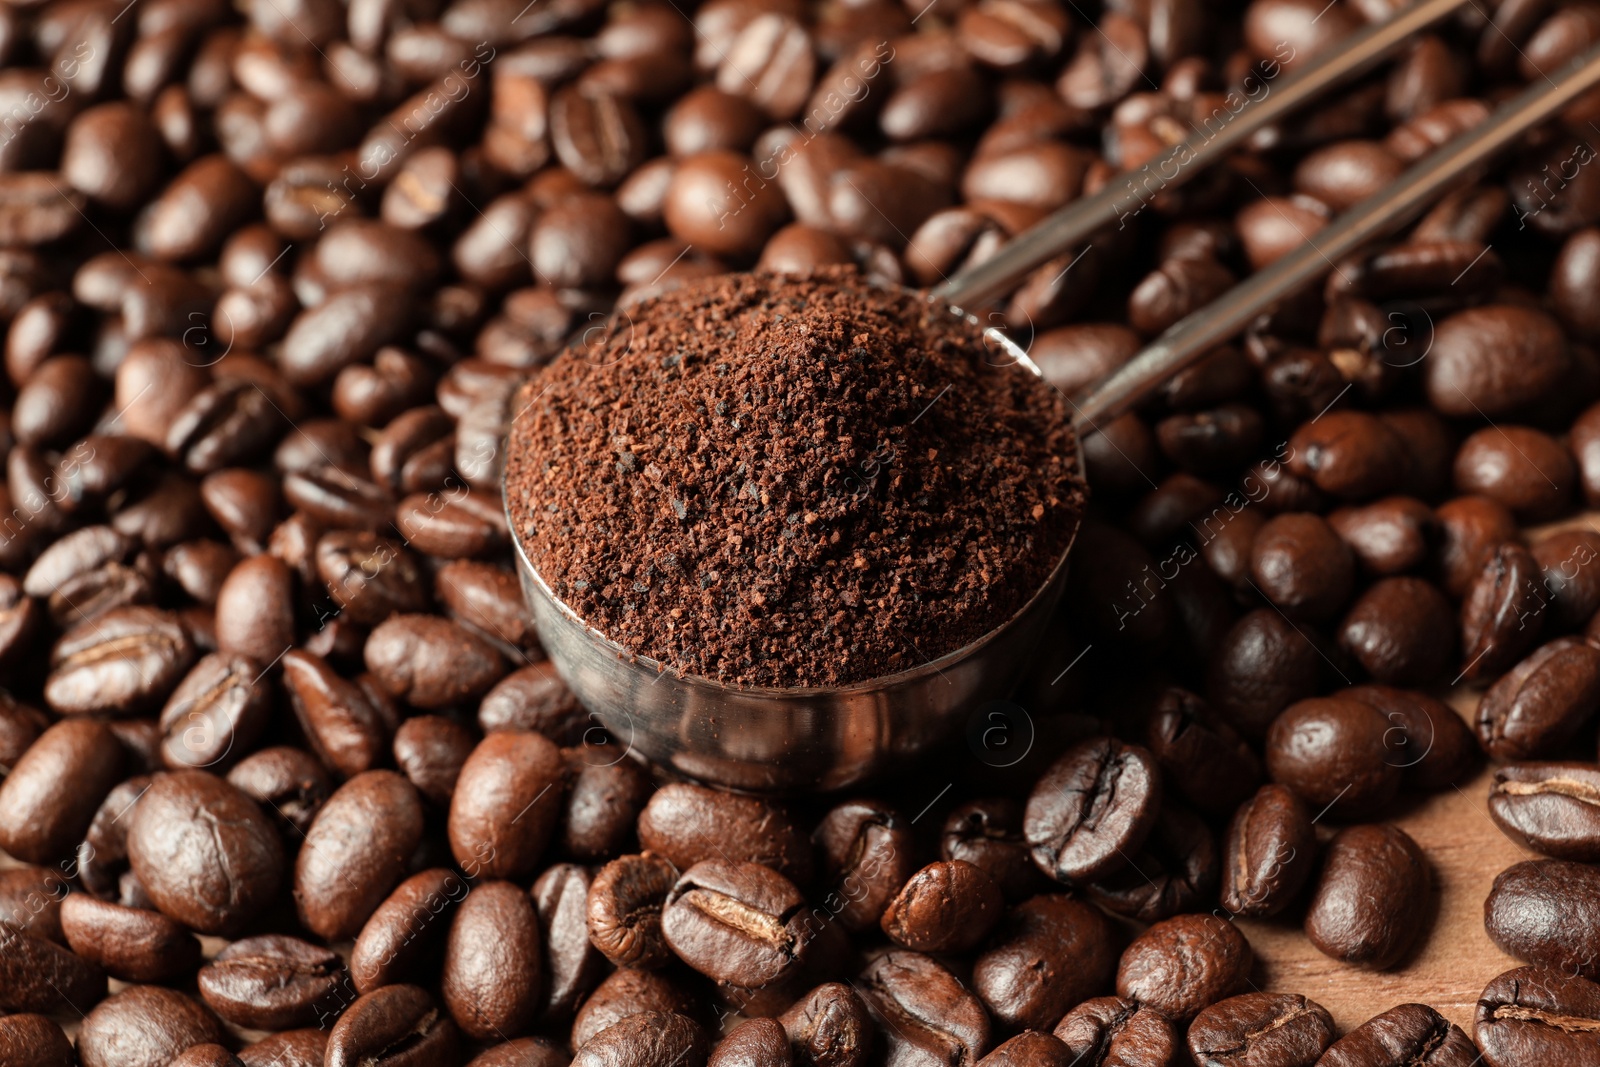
(793, 740)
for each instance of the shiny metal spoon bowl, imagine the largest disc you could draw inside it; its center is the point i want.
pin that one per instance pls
(786, 740)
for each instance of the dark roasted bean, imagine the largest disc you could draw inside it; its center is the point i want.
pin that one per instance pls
(647, 1039)
(949, 906)
(1269, 1029)
(144, 1026)
(406, 929)
(625, 905)
(273, 982)
(1182, 965)
(1547, 912)
(1112, 1032)
(1541, 702)
(129, 943)
(204, 851)
(1405, 1034)
(350, 861)
(1092, 809)
(924, 1013)
(1537, 1015)
(397, 1024)
(1049, 953)
(492, 969)
(1553, 808)
(1371, 900)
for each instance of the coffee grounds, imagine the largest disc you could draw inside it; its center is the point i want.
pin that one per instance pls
(777, 481)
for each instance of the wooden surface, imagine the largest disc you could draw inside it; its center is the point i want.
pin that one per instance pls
(1455, 959)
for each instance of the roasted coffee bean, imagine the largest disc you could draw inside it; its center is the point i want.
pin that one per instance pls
(429, 750)
(754, 1043)
(534, 698)
(1112, 1032)
(1572, 584)
(292, 1048)
(50, 796)
(127, 659)
(30, 901)
(1092, 810)
(738, 923)
(1184, 964)
(130, 944)
(406, 929)
(1280, 1029)
(507, 801)
(369, 577)
(273, 982)
(1553, 808)
(1371, 899)
(1502, 613)
(431, 662)
(624, 909)
(1527, 471)
(1399, 631)
(829, 1027)
(41, 976)
(207, 1055)
(103, 852)
(216, 713)
(453, 527)
(352, 858)
(1537, 1015)
(1541, 702)
(1265, 663)
(34, 1040)
(628, 992)
(1472, 526)
(1426, 738)
(1203, 756)
(349, 724)
(1180, 285)
(491, 983)
(866, 854)
(523, 1052)
(1176, 871)
(1545, 912)
(288, 783)
(487, 599)
(144, 1026)
(923, 1012)
(397, 1024)
(596, 135)
(1302, 566)
(572, 965)
(1490, 361)
(1388, 536)
(949, 906)
(647, 1039)
(1405, 1034)
(1049, 953)
(1336, 754)
(988, 835)
(1350, 455)
(607, 794)
(1031, 1048)
(690, 823)
(204, 851)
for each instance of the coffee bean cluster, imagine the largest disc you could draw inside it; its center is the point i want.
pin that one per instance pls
(288, 780)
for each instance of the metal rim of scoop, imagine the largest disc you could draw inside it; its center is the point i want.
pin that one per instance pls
(1050, 587)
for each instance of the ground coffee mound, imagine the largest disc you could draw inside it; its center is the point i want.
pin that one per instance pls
(777, 481)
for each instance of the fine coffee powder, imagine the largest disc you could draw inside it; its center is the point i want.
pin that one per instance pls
(792, 481)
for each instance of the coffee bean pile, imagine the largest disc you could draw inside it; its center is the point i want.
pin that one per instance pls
(288, 780)
(778, 481)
